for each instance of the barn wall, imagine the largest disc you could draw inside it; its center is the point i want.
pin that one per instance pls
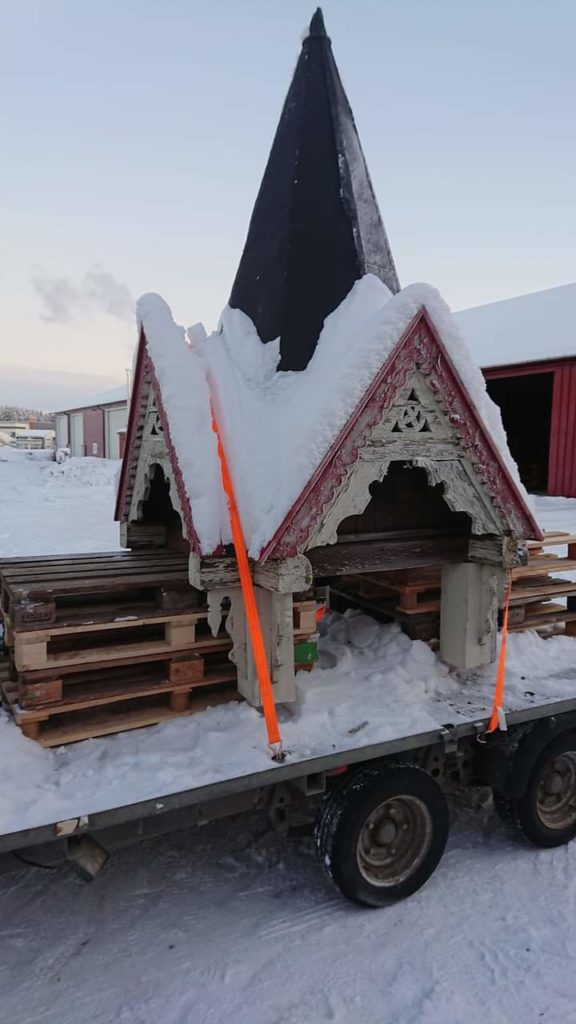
(562, 453)
(562, 468)
(94, 432)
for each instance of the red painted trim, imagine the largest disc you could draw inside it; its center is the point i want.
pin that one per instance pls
(526, 369)
(133, 412)
(420, 344)
(145, 366)
(185, 504)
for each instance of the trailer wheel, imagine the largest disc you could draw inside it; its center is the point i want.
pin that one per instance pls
(382, 832)
(546, 813)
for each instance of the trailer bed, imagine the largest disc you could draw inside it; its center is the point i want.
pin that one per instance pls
(378, 693)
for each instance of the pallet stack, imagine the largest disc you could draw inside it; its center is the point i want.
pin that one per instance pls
(102, 643)
(412, 596)
(536, 589)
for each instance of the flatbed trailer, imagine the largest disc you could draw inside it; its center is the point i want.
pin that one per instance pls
(378, 811)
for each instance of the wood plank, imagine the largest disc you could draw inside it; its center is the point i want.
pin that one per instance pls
(25, 619)
(545, 564)
(83, 696)
(72, 582)
(377, 556)
(91, 656)
(89, 724)
(553, 588)
(10, 567)
(209, 646)
(548, 619)
(554, 539)
(122, 622)
(125, 565)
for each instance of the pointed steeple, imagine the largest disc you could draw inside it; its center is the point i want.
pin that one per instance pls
(316, 227)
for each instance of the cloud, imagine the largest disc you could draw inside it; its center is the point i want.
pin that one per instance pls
(98, 292)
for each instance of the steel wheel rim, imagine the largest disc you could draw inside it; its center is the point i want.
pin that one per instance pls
(556, 792)
(394, 841)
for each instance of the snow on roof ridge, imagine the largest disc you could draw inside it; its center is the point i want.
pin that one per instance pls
(278, 426)
(182, 377)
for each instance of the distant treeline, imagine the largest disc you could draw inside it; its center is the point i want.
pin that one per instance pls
(17, 414)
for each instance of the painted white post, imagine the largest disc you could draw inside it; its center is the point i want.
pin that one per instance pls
(469, 613)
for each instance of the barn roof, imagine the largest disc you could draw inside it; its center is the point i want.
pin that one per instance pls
(525, 329)
(316, 227)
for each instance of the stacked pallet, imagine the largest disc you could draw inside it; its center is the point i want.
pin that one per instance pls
(412, 596)
(409, 596)
(103, 643)
(536, 589)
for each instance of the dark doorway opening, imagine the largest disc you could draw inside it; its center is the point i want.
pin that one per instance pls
(404, 501)
(158, 508)
(526, 406)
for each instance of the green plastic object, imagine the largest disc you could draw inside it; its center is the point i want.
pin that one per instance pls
(306, 652)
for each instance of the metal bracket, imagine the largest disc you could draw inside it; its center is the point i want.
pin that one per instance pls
(449, 739)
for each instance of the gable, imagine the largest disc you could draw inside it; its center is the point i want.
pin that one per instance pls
(417, 410)
(148, 445)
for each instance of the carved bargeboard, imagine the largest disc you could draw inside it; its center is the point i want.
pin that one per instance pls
(153, 452)
(414, 430)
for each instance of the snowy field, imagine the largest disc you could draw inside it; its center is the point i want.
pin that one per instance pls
(231, 922)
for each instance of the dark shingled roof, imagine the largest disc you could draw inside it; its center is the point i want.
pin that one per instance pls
(316, 227)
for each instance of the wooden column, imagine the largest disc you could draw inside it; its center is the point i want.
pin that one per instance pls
(276, 619)
(469, 613)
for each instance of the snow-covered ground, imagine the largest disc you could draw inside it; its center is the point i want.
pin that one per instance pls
(233, 923)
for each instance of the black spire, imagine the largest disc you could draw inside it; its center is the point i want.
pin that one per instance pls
(316, 227)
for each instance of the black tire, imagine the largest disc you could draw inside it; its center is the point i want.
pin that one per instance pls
(381, 833)
(546, 813)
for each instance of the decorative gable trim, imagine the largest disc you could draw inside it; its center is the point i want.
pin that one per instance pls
(146, 401)
(420, 349)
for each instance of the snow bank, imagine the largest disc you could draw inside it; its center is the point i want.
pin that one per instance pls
(278, 426)
(49, 509)
(82, 472)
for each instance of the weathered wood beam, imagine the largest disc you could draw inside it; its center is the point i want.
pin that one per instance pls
(506, 552)
(380, 555)
(143, 535)
(285, 576)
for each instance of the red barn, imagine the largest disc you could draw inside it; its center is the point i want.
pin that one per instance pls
(97, 428)
(527, 349)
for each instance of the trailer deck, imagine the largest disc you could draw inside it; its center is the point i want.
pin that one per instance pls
(388, 696)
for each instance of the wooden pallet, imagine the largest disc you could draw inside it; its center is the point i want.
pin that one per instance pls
(36, 689)
(61, 646)
(112, 712)
(83, 589)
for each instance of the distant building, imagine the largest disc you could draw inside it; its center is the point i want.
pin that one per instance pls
(98, 428)
(11, 426)
(526, 347)
(33, 439)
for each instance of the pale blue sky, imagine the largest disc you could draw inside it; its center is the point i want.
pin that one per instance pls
(135, 133)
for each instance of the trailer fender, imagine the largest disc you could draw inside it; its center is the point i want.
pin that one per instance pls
(510, 757)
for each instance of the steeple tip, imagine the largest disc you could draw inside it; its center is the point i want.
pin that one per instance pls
(317, 26)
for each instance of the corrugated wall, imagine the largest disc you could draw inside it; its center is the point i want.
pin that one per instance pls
(562, 463)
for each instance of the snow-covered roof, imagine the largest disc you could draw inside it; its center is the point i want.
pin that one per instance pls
(110, 397)
(541, 325)
(278, 426)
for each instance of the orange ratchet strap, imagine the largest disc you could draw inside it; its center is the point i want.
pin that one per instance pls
(250, 606)
(498, 719)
